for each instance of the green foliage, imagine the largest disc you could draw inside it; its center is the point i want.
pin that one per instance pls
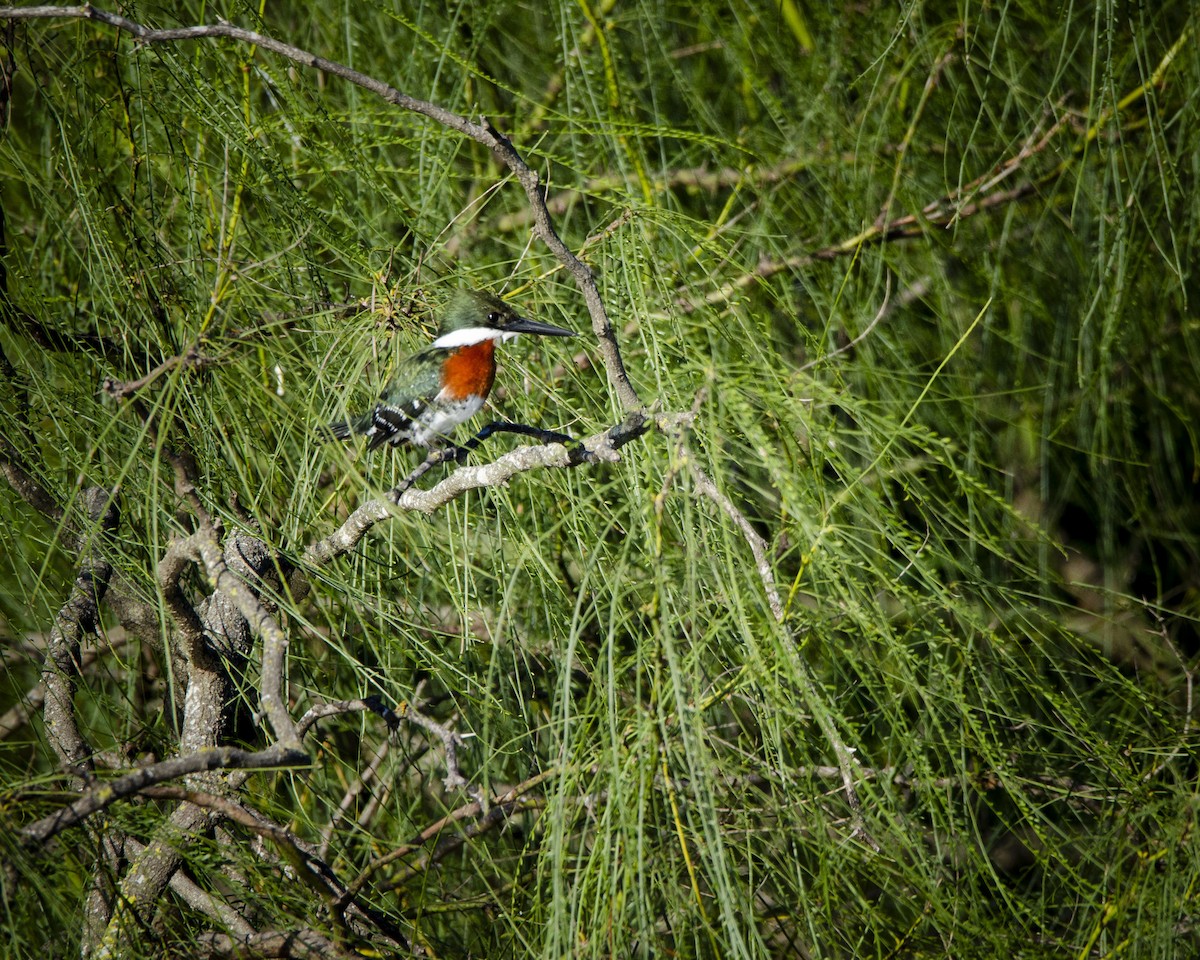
(981, 517)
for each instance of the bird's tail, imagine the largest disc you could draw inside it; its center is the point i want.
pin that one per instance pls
(345, 429)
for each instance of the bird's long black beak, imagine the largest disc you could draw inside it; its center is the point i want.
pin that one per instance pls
(523, 325)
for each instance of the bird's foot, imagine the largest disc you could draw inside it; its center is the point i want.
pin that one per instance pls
(460, 452)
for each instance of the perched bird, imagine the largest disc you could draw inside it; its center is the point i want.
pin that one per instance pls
(447, 382)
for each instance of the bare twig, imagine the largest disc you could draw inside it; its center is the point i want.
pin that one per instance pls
(25, 485)
(120, 389)
(465, 812)
(971, 198)
(287, 843)
(435, 457)
(31, 701)
(181, 553)
(497, 814)
(306, 862)
(758, 546)
(356, 788)
(1181, 748)
(692, 178)
(227, 808)
(846, 760)
(937, 213)
(451, 741)
(103, 794)
(880, 314)
(931, 82)
(20, 713)
(1043, 785)
(201, 900)
(336, 707)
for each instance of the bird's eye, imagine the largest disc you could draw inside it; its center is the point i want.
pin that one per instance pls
(493, 317)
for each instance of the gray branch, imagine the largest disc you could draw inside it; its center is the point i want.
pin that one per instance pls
(332, 709)
(297, 944)
(108, 792)
(601, 447)
(274, 641)
(77, 617)
(201, 900)
(758, 546)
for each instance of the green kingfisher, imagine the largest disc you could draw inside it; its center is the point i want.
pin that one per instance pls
(447, 382)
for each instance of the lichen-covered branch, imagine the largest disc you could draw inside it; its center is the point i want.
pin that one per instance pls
(108, 792)
(77, 617)
(292, 944)
(601, 447)
(274, 641)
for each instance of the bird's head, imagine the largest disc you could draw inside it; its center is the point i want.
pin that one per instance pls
(475, 315)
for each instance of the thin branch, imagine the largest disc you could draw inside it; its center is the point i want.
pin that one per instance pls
(303, 858)
(180, 554)
(103, 794)
(190, 358)
(353, 791)
(289, 847)
(972, 198)
(32, 699)
(451, 741)
(986, 781)
(882, 312)
(544, 226)
(692, 178)
(758, 546)
(20, 713)
(48, 338)
(227, 808)
(465, 812)
(1181, 748)
(905, 227)
(846, 760)
(200, 900)
(338, 707)
(497, 814)
(25, 485)
(205, 545)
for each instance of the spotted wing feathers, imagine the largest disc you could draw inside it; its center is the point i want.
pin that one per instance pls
(387, 423)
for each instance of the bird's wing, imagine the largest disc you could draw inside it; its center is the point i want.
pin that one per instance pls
(391, 421)
(403, 400)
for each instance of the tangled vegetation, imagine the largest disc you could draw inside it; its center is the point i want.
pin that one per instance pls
(861, 620)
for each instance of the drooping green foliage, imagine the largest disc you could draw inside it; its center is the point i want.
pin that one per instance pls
(924, 272)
